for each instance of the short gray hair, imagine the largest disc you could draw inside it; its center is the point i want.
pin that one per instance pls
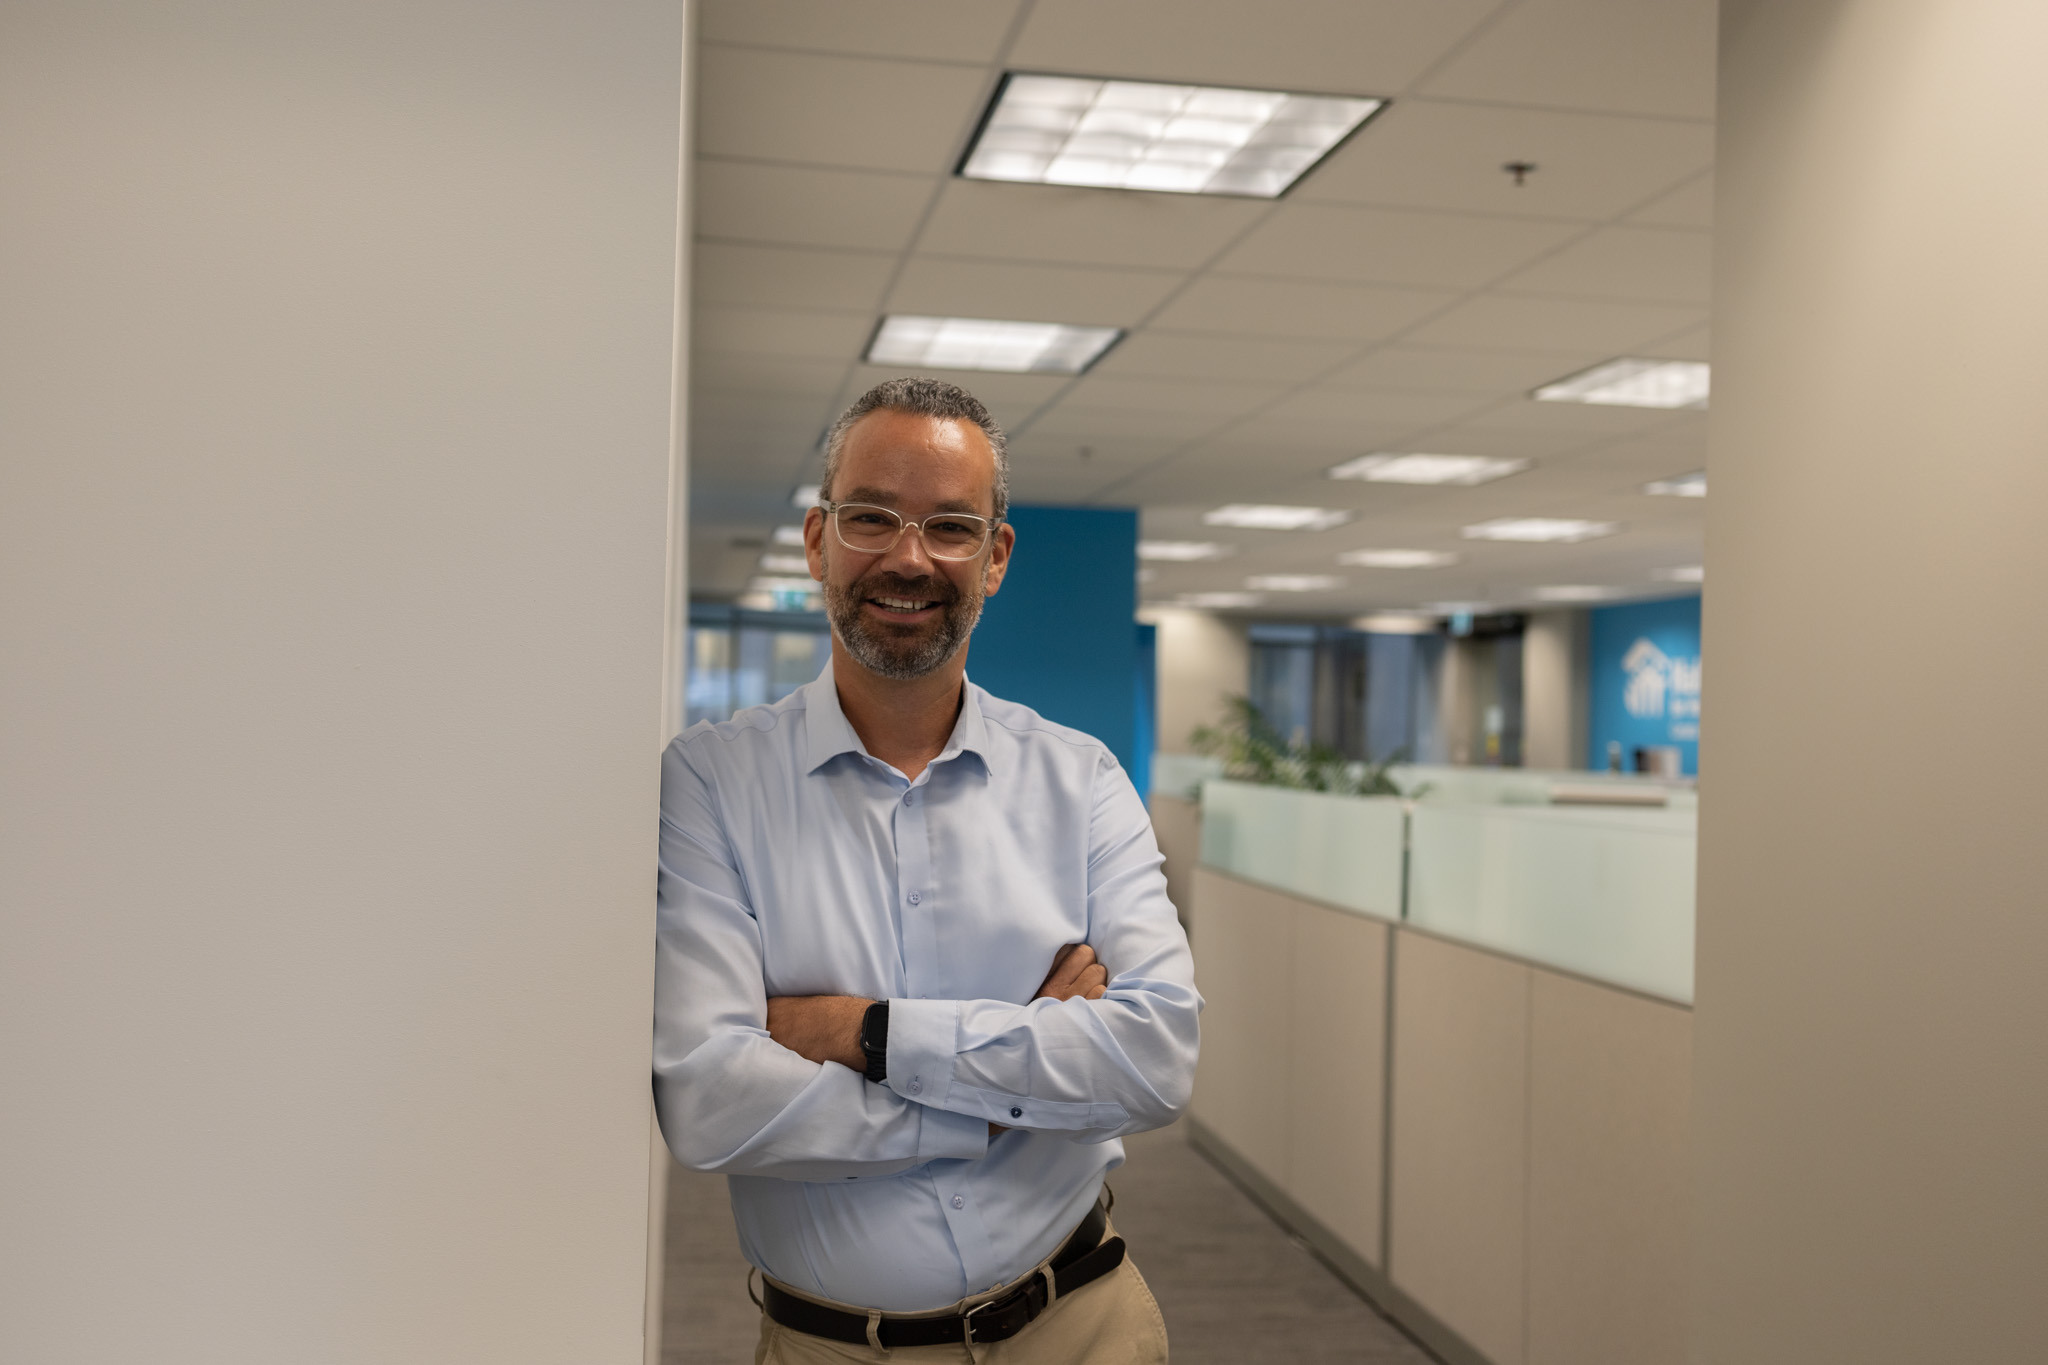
(927, 398)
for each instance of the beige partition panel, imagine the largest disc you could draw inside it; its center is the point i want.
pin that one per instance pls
(1610, 1077)
(1337, 1073)
(1177, 825)
(1460, 1139)
(1244, 954)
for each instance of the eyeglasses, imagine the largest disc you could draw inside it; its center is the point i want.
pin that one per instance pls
(875, 530)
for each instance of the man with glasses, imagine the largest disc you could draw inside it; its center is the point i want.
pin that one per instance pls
(917, 970)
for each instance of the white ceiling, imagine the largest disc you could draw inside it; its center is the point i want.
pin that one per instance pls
(1406, 295)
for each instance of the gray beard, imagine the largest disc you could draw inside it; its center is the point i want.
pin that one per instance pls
(902, 659)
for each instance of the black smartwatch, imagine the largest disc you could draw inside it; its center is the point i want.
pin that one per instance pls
(874, 1040)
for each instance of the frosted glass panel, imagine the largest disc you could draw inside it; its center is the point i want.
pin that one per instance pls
(1183, 774)
(1344, 850)
(1605, 893)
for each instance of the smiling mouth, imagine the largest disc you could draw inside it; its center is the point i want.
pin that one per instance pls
(901, 606)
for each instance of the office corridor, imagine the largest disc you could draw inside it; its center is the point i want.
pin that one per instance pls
(1233, 1285)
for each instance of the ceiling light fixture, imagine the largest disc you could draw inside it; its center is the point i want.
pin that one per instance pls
(1395, 623)
(774, 563)
(805, 495)
(1574, 592)
(1556, 530)
(1145, 135)
(1418, 468)
(1684, 573)
(790, 535)
(1183, 551)
(1267, 517)
(1634, 383)
(1218, 601)
(766, 584)
(988, 344)
(1293, 582)
(1693, 485)
(1397, 559)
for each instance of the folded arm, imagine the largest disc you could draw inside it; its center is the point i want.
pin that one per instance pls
(731, 1098)
(1090, 1068)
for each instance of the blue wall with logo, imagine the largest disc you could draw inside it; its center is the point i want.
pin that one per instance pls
(1645, 689)
(1061, 636)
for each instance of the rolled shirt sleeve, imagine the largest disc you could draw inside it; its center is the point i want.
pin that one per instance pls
(1093, 1069)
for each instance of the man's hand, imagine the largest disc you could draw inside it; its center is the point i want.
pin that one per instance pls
(820, 1028)
(1075, 972)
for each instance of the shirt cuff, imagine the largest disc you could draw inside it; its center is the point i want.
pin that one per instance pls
(922, 1037)
(944, 1134)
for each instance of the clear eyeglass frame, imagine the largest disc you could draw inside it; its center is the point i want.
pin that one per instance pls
(987, 525)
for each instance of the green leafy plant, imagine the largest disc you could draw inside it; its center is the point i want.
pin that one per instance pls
(1253, 751)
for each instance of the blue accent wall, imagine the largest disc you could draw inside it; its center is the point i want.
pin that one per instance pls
(1645, 690)
(1061, 636)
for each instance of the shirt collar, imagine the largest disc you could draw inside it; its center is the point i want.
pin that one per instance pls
(828, 734)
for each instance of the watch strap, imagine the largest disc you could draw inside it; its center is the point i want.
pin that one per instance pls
(874, 1040)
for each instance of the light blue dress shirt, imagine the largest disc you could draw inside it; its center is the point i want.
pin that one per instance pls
(794, 863)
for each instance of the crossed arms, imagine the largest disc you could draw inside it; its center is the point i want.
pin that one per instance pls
(750, 1086)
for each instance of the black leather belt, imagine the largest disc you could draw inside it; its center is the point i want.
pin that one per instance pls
(1083, 1257)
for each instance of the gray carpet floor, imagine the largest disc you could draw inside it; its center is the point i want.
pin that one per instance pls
(1233, 1285)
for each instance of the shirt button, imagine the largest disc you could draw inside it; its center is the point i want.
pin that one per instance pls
(916, 1086)
(913, 898)
(1016, 1113)
(958, 1202)
(909, 798)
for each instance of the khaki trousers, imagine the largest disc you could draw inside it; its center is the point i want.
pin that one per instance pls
(1110, 1321)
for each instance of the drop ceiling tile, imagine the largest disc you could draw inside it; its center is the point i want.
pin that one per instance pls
(1561, 324)
(1663, 265)
(1375, 408)
(1576, 424)
(820, 110)
(1462, 370)
(787, 277)
(785, 332)
(1180, 355)
(1066, 226)
(805, 207)
(1424, 153)
(1263, 306)
(1101, 426)
(1334, 46)
(947, 287)
(1163, 396)
(1691, 205)
(959, 30)
(1326, 241)
(1695, 343)
(1615, 56)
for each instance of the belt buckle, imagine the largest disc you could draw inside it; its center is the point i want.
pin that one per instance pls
(967, 1320)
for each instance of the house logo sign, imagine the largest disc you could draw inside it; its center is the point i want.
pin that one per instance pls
(1661, 687)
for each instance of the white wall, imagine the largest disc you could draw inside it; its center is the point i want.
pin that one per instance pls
(1204, 659)
(1555, 687)
(1870, 1105)
(336, 401)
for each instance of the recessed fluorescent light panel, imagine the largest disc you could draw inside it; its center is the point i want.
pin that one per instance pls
(1684, 573)
(772, 563)
(1461, 469)
(1182, 551)
(803, 585)
(1218, 601)
(1142, 135)
(1540, 529)
(805, 495)
(987, 344)
(1574, 592)
(1397, 559)
(1693, 485)
(1266, 517)
(1634, 383)
(790, 535)
(1395, 623)
(1293, 582)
